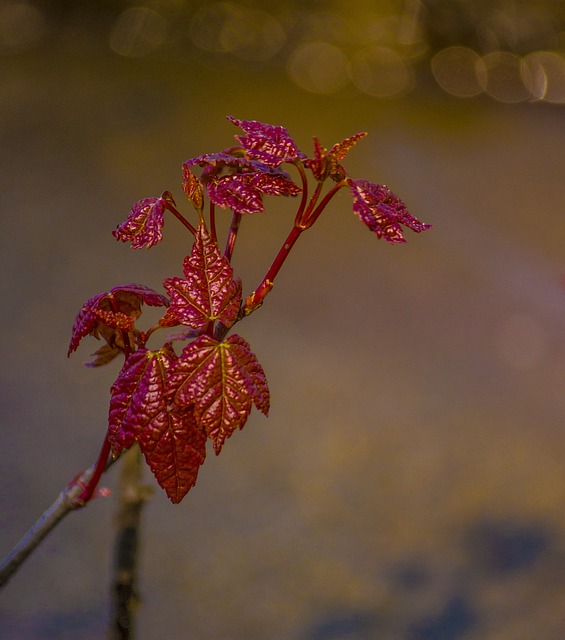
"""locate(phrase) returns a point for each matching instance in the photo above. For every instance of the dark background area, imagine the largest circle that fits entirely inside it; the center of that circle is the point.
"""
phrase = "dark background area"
(409, 482)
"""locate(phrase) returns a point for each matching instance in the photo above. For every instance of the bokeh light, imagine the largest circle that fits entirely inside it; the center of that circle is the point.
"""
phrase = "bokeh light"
(503, 77)
(543, 73)
(224, 27)
(137, 32)
(319, 67)
(381, 72)
(22, 25)
(459, 71)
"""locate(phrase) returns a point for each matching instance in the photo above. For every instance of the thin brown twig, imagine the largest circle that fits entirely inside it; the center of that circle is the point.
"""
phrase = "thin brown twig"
(68, 500)
(131, 496)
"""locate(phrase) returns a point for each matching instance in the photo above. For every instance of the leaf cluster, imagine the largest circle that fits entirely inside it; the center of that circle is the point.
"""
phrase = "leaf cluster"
(172, 403)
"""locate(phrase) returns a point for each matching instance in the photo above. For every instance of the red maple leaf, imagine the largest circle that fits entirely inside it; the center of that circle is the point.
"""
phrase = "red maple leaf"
(241, 189)
(174, 448)
(340, 150)
(208, 291)
(327, 163)
(103, 355)
(221, 380)
(192, 187)
(144, 224)
(235, 192)
(140, 411)
(109, 313)
(267, 143)
(382, 211)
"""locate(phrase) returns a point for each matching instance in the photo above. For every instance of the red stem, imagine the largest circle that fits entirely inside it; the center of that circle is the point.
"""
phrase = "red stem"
(310, 218)
(232, 236)
(213, 233)
(86, 495)
(302, 220)
(257, 297)
(304, 179)
(178, 215)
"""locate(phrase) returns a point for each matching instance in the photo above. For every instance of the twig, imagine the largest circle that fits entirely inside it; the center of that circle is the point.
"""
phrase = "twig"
(68, 500)
(131, 498)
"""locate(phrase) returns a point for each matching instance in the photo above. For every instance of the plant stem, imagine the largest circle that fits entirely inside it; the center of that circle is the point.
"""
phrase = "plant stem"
(131, 499)
(232, 235)
(305, 218)
(98, 470)
(213, 233)
(256, 298)
(304, 197)
(178, 215)
(305, 214)
(310, 218)
(68, 500)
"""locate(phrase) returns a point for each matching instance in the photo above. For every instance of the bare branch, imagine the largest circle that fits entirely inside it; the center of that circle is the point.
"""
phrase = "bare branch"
(68, 500)
(132, 495)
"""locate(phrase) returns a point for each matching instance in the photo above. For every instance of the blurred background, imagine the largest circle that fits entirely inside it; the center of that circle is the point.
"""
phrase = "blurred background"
(409, 482)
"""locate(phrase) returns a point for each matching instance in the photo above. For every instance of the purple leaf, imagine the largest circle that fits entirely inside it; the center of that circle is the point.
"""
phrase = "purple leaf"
(171, 441)
(242, 192)
(192, 187)
(137, 396)
(318, 164)
(236, 192)
(208, 292)
(382, 211)
(327, 163)
(103, 355)
(221, 380)
(174, 447)
(267, 143)
(109, 313)
(144, 224)
(340, 150)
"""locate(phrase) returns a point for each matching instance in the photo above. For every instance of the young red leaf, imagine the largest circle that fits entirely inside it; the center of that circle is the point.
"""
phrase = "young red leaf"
(137, 396)
(170, 318)
(242, 189)
(327, 163)
(104, 355)
(221, 380)
(242, 192)
(192, 187)
(172, 443)
(111, 312)
(85, 322)
(139, 293)
(219, 160)
(144, 224)
(235, 192)
(97, 319)
(341, 149)
(267, 143)
(174, 447)
(382, 211)
(274, 184)
(208, 292)
(318, 164)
